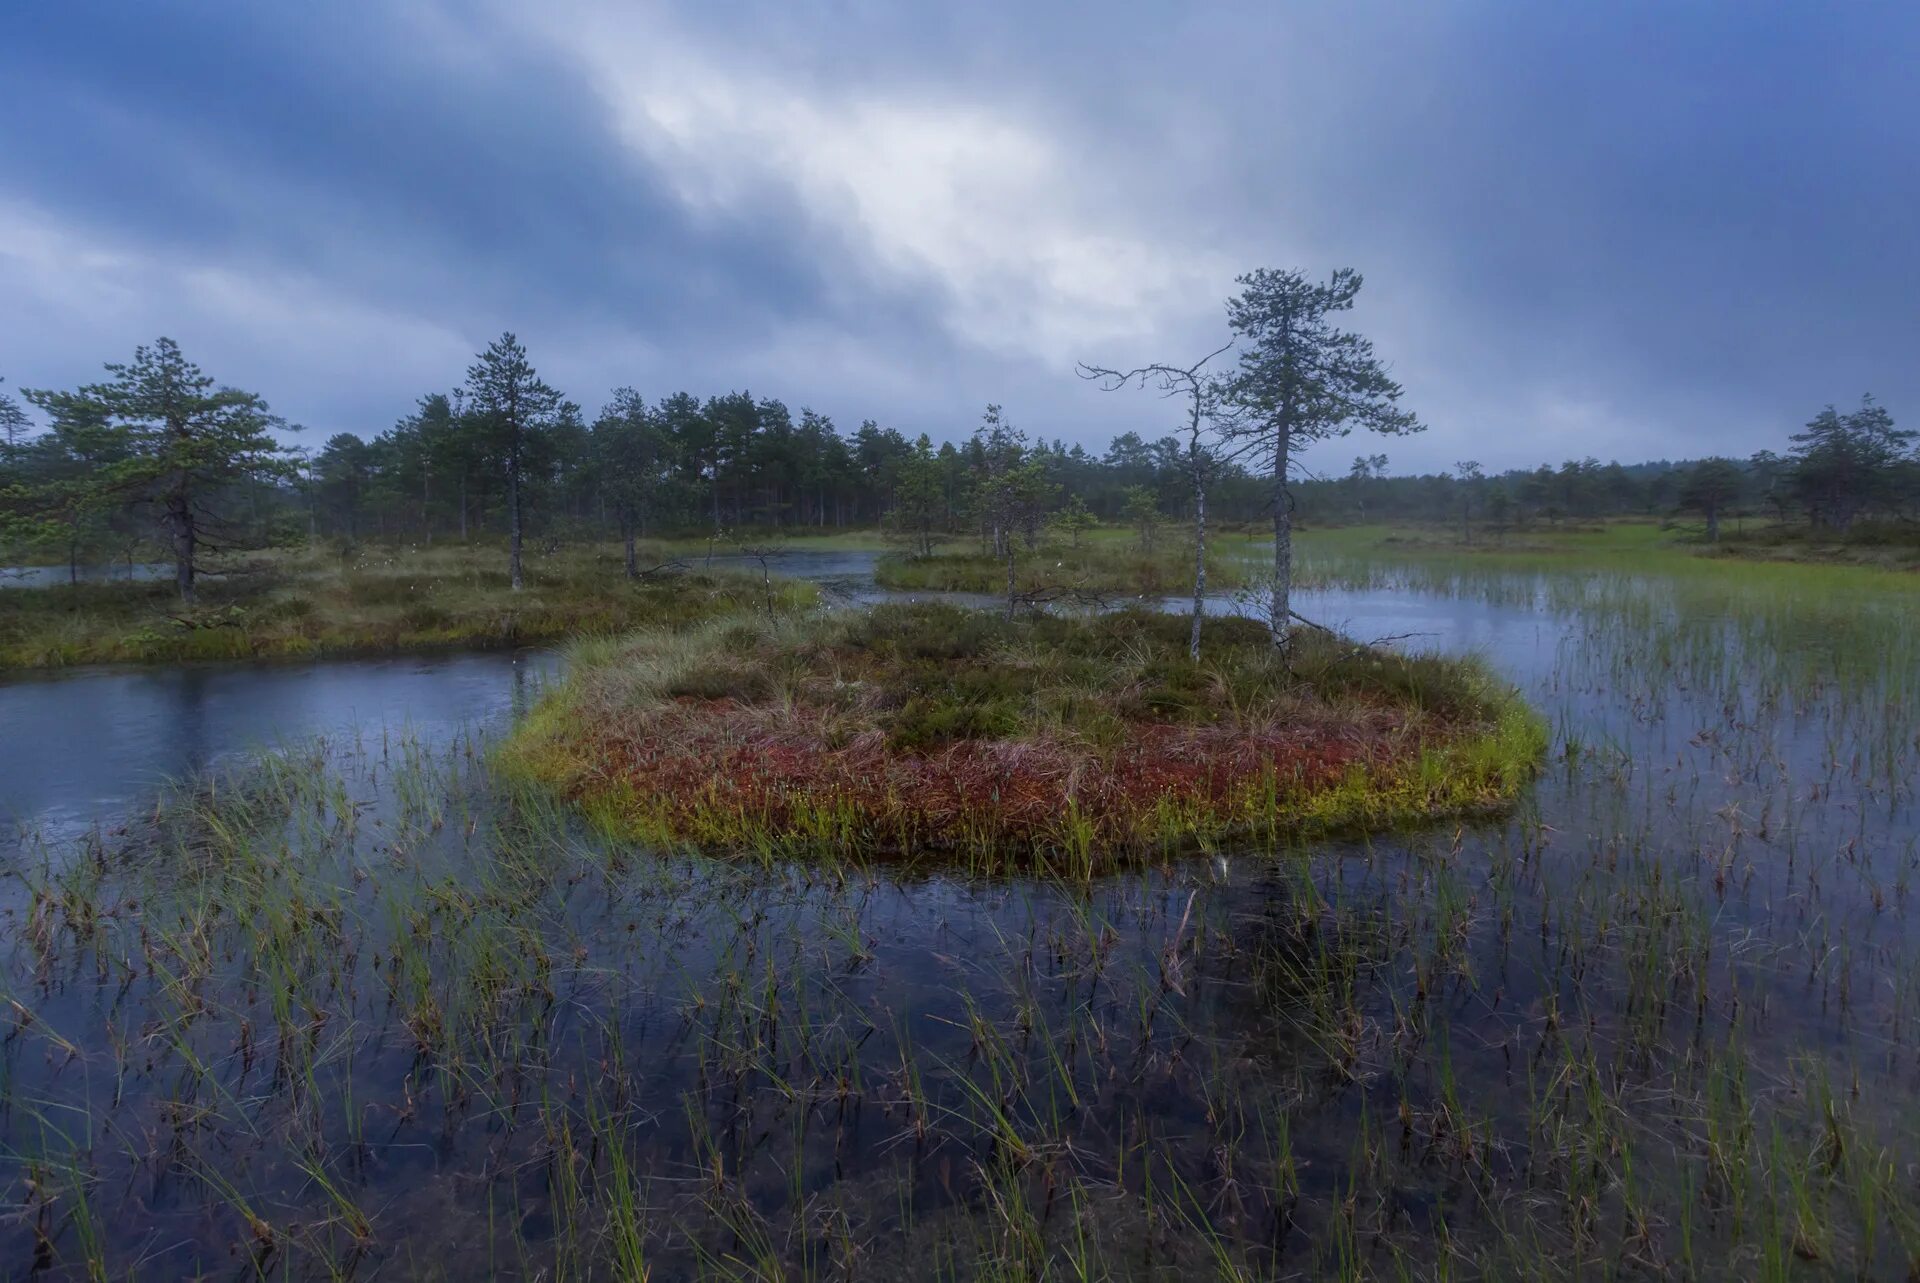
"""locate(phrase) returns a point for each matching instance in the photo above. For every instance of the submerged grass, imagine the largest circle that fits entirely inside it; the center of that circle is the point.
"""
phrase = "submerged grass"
(930, 730)
(305, 605)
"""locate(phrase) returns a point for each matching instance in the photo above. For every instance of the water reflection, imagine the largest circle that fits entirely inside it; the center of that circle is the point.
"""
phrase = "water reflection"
(82, 745)
(54, 576)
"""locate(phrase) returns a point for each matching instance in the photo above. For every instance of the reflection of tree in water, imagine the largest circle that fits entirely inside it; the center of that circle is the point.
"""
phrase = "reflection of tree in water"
(1292, 985)
(193, 742)
(1289, 973)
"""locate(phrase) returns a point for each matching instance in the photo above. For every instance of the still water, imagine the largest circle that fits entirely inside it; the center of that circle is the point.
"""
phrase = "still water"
(85, 745)
(53, 576)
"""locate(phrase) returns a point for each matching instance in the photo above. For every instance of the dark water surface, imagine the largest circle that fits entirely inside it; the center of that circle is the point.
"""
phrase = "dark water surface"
(85, 745)
(384, 1017)
(53, 576)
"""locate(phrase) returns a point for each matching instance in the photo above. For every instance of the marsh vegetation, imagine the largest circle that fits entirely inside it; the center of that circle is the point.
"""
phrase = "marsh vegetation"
(916, 732)
(1101, 564)
(353, 599)
(374, 1009)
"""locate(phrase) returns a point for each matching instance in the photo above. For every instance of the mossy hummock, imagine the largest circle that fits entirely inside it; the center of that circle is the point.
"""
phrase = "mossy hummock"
(928, 729)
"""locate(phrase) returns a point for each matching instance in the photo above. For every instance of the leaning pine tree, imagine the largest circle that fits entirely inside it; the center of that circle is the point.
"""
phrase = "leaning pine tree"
(1300, 380)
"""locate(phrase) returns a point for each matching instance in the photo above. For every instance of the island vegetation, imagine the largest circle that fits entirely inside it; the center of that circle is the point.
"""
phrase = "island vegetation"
(928, 730)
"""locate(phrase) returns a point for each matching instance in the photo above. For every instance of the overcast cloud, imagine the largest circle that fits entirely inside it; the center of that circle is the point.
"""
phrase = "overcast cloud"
(1625, 230)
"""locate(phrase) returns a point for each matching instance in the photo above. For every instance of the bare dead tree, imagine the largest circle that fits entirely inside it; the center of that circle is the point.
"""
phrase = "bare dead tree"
(765, 555)
(1189, 382)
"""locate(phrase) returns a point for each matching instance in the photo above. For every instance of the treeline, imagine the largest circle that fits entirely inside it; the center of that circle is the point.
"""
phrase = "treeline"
(1843, 468)
(684, 463)
(158, 457)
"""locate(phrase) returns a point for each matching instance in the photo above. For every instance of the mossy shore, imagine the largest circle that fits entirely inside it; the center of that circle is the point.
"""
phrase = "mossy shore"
(923, 730)
(311, 605)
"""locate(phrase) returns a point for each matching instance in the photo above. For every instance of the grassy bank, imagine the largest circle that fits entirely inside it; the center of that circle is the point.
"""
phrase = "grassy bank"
(931, 729)
(1106, 563)
(310, 604)
(1885, 545)
(1871, 546)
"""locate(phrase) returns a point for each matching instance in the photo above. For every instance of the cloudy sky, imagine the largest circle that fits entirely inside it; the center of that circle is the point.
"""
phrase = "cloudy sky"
(1620, 229)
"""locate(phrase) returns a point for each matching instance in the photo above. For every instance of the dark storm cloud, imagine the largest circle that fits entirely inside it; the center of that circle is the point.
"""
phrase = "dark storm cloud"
(1622, 229)
(336, 138)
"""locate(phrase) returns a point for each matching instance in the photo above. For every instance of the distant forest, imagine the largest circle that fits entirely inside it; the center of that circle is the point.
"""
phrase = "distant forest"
(127, 464)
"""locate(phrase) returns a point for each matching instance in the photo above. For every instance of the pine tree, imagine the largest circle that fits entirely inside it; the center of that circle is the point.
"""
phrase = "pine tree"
(516, 407)
(183, 448)
(1300, 380)
(1712, 486)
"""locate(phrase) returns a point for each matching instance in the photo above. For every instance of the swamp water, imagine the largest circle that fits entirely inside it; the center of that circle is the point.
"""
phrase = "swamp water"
(354, 1009)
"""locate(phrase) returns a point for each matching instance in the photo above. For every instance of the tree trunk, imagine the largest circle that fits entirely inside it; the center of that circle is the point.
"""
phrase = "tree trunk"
(1199, 550)
(513, 524)
(463, 506)
(626, 533)
(1280, 611)
(1713, 524)
(1010, 586)
(180, 528)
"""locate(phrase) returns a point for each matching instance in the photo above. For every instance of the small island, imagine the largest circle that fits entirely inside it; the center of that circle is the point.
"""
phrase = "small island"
(1067, 741)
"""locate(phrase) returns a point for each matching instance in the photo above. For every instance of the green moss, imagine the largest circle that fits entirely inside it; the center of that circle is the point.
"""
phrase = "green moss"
(928, 721)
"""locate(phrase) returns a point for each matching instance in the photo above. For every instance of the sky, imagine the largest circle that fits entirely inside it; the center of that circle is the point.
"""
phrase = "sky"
(1626, 230)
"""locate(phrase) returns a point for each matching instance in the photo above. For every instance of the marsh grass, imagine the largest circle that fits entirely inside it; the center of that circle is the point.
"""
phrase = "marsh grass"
(1103, 563)
(1646, 545)
(303, 605)
(930, 730)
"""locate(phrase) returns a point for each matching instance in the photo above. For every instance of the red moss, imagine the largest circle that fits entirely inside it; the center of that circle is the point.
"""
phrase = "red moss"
(697, 767)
